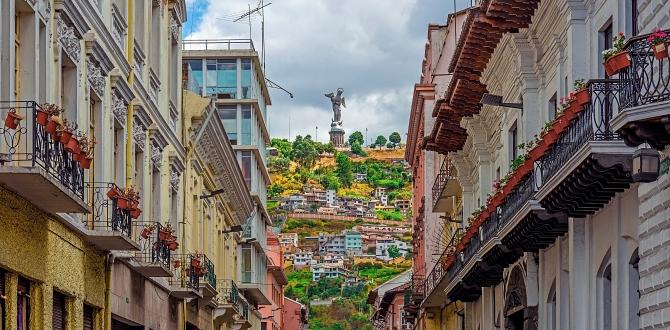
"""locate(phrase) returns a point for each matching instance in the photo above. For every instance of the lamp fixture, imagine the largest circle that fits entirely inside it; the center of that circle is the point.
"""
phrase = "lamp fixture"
(233, 229)
(646, 163)
(497, 100)
(212, 194)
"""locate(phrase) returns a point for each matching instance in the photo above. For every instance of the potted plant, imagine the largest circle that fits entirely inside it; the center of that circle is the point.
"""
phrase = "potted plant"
(658, 41)
(54, 119)
(69, 128)
(113, 192)
(13, 119)
(165, 232)
(72, 145)
(85, 156)
(43, 112)
(122, 202)
(135, 213)
(173, 245)
(147, 230)
(133, 198)
(582, 96)
(616, 58)
(195, 261)
(176, 263)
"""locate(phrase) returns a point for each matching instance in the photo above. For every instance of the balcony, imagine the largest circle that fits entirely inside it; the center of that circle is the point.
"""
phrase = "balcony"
(208, 287)
(231, 306)
(434, 284)
(37, 167)
(109, 227)
(446, 186)
(156, 255)
(185, 283)
(589, 163)
(644, 112)
(413, 297)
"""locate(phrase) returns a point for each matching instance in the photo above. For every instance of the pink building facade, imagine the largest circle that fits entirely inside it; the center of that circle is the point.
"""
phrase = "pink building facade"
(295, 315)
(273, 317)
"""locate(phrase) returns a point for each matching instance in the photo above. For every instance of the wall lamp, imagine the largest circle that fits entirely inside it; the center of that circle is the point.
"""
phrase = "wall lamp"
(646, 163)
(233, 229)
(212, 194)
(496, 100)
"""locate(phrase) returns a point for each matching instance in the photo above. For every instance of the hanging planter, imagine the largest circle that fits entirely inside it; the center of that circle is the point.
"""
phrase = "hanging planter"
(122, 203)
(113, 192)
(164, 233)
(85, 162)
(146, 232)
(172, 246)
(13, 119)
(77, 157)
(660, 51)
(195, 262)
(52, 126)
(176, 263)
(617, 62)
(135, 213)
(658, 40)
(42, 116)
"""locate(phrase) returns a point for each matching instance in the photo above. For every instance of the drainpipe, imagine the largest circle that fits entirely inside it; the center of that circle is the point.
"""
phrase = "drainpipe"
(130, 56)
(109, 263)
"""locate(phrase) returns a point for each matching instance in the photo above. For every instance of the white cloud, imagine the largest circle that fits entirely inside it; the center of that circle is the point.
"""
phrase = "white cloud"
(373, 49)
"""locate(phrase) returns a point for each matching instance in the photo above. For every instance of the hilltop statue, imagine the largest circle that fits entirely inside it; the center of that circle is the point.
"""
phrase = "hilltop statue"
(337, 101)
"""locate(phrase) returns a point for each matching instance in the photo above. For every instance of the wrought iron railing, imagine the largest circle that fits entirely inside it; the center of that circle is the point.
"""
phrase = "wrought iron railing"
(105, 214)
(228, 293)
(647, 79)
(30, 145)
(187, 276)
(445, 174)
(218, 44)
(210, 275)
(435, 275)
(155, 250)
(517, 198)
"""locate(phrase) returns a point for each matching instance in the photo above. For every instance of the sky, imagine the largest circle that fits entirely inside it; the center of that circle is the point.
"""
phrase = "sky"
(371, 48)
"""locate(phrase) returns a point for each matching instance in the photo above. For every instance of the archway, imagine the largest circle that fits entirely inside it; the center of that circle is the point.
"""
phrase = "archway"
(518, 315)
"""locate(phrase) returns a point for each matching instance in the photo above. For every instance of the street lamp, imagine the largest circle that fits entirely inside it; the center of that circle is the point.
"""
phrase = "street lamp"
(646, 162)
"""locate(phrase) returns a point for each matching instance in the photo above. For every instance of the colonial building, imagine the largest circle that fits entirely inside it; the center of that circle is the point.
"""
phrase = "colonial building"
(563, 200)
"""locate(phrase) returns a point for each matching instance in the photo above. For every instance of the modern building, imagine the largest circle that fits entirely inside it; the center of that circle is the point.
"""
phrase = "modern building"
(353, 242)
(302, 259)
(288, 240)
(320, 270)
(331, 244)
(230, 72)
(382, 247)
(331, 197)
(564, 233)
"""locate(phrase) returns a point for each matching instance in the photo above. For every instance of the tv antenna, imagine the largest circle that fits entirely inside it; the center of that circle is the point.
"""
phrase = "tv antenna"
(259, 10)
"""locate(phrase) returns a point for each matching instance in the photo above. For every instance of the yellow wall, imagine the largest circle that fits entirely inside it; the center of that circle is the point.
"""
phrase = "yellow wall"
(38, 247)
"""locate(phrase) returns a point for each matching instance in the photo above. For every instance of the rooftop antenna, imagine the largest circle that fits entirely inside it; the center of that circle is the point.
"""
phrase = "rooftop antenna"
(260, 10)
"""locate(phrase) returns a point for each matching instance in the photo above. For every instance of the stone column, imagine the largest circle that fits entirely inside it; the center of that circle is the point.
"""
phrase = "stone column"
(579, 279)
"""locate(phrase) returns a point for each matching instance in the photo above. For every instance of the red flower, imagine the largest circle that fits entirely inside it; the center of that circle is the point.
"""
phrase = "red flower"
(621, 34)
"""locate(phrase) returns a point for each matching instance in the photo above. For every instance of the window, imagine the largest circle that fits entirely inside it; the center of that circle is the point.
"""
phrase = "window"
(605, 42)
(246, 79)
(513, 141)
(631, 19)
(222, 78)
(246, 167)
(23, 305)
(17, 57)
(607, 298)
(246, 263)
(58, 311)
(89, 315)
(551, 308)
(553, 106)
(228, 115)
(194, 70)
(246, 124)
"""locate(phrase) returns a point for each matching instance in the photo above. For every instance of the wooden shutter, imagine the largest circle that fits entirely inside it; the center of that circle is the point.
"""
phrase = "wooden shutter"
(88, 317)
(58, 312)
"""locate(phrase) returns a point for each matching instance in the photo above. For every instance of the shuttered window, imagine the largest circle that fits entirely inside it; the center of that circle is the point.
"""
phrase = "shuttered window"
(23, 305)
(58, 314)
(2, 299)
(88, 317)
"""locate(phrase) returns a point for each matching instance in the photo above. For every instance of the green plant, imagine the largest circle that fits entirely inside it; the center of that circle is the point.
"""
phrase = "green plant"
(517, 162)
(617, 46)
(580, 84)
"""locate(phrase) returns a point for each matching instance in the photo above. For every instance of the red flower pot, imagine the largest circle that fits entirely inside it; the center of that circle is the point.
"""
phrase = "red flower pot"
(163, 234)
(524, 169)
(539, 150)
(65, 137)
(42, 117)
(85, 162)
(173, 247)
(77, 157)
(660, 51)
(52, 126)
(195, 263)
(176, 263)
(561, 124)
(582, 97)
(122, 203)
(13, 119)
(146, 232)
(135, 213)
(113, 192)
(617, 63)
(72, 145)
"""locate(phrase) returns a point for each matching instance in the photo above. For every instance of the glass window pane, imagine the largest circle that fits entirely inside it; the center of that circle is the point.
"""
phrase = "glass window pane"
(246, 79)
(246, 167)
(228, 115)
(246, 124)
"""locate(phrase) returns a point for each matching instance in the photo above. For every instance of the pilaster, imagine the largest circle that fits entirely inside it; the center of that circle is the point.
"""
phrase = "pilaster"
(579, 278)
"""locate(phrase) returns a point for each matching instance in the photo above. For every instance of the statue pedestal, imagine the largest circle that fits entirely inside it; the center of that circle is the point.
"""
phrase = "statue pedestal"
(336, 135)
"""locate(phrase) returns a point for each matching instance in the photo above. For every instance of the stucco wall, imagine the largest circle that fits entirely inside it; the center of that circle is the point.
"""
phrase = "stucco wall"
(38, 247)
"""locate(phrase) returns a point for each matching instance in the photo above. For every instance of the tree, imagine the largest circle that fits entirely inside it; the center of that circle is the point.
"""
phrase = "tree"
(284, 147)
(304, 152)
(380, 141)
(393, 251)
(329, 148)
(357, 150)
(356, 137)
(390, 145)
(344, 169)
(395, 139)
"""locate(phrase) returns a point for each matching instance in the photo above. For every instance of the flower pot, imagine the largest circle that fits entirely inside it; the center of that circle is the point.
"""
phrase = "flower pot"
(65, 137)
(42, 117)
(560, 125)
(199, 272)
(582, 97)
(660, 51)
(113, 192)
(550, 138)
(524, 169)
(539, 150)
(72, 145)
(122, 203)
(173, 247)
(176, 263)
(52, 126)
(163, 234)
(146, 232)
(617, 63)
(497, 199)
(13, 119)
(85, 162)
(195, 263)
(135, 213)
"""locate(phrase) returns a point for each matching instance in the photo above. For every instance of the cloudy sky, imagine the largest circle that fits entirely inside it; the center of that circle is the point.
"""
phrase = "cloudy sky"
(371, 48)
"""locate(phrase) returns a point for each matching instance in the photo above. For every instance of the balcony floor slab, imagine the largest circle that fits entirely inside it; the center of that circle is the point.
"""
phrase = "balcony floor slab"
(111, 241)
(148, 269)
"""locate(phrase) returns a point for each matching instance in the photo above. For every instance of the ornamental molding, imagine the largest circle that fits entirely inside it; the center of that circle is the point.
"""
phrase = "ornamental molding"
(69, 40)
(139, 135)
(174, 29)
(44, 8)
(174, 179)
(96, 78)
(119, 109)
(156, 156)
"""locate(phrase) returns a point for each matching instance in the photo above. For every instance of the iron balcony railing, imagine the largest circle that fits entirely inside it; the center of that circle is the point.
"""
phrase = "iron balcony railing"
(436, 275)
(229, 294)
(445, 174)
(105, 214)
(647, 79)
(30, 145)
(218, 44)
(155, 249)
(592, 124)
(210, 275)
(187, 275)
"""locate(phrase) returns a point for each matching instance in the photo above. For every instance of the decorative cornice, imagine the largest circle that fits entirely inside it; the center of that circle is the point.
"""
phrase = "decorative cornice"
(70, 12)
(119, 109)
(118, 82)
(69, 40)
(139, 135)
(96, 78)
